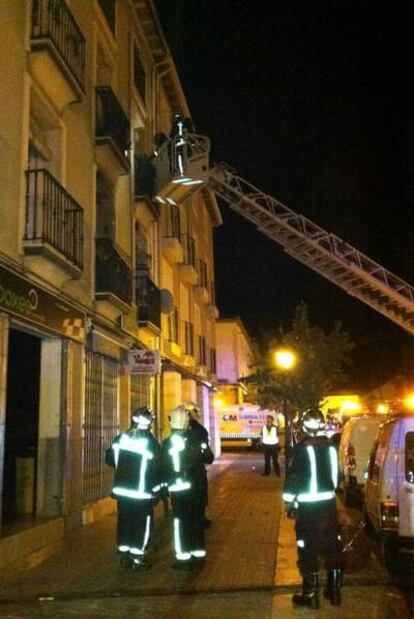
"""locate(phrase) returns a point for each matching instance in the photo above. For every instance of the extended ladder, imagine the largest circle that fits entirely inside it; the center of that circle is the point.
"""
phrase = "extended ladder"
(318, 249)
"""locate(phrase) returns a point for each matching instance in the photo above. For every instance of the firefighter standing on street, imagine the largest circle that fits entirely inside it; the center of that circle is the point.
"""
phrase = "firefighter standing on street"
(270, 442)
(309, 493)
(201, 432)
(136, 456)
(184, 457)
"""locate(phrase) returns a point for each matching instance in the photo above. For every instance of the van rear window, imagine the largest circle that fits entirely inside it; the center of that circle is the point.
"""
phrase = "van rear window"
(409, 457)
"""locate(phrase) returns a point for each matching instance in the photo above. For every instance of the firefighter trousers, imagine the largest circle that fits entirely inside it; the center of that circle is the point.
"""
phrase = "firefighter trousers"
(317, 535)
(135, 520)
(188, 519)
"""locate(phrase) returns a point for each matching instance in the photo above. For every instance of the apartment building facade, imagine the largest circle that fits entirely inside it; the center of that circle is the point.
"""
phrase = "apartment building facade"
(91, 268)
(236, 358)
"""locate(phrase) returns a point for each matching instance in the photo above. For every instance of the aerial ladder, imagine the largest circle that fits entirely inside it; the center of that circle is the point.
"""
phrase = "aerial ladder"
(318, 249)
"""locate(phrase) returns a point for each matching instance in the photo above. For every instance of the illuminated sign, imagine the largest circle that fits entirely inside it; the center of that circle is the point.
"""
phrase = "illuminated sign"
(22, 298)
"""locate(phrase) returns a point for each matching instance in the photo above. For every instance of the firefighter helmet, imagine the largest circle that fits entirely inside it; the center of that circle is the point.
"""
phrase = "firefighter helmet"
(179, 418)
(143, 417)
(194, 410)
(312, 421)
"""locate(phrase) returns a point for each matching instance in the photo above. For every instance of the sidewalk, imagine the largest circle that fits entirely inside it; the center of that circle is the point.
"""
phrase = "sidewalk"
(250, 570)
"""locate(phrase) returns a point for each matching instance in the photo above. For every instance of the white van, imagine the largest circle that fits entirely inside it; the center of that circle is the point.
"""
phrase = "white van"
(389, 488)
(357, 439)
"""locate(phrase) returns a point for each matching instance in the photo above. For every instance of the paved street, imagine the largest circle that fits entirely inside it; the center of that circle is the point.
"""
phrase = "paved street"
(250, 570)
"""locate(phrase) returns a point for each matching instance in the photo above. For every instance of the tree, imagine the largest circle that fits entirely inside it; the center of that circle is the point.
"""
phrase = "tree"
(321, 366)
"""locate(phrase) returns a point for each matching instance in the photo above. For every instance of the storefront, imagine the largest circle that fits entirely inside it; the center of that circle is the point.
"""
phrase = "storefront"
(39, 333)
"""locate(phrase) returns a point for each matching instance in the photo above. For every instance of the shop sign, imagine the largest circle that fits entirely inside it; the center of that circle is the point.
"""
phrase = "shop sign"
(22, 298)
(144, 361)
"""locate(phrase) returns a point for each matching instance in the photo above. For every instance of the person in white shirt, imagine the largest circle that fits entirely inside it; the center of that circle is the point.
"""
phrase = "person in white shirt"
(270, 442)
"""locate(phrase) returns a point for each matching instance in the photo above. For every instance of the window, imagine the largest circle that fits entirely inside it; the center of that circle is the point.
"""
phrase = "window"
(105, 210)
(189, 338)
(409, 457)
(202, 350)
(173, 326)
(376, 460)
(109, 10)
(139, 74)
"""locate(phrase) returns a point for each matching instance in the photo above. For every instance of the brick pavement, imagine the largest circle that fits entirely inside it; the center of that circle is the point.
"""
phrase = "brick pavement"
(240, 578)
(244, 508)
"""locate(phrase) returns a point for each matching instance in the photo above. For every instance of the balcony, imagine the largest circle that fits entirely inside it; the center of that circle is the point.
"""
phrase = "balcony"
(113, 277)
(148, 300)
(171, 240)
(201, 286)
(112, 134)
(188, 271)
(54, 223)
(57, 58)
(211, 307)
(182, 166)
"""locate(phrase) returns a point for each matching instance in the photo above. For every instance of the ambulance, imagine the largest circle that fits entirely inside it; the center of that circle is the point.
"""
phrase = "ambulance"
(240, 425)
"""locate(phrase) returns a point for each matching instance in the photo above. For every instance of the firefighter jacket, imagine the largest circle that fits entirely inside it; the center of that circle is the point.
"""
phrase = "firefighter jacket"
(136, 456)
(313, 473)
(184, 457)
(268, 435)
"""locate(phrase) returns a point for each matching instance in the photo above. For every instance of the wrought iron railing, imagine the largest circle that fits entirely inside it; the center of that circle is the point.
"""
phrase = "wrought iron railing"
(112, 274)
(188, 244)
(52, 19)
(111, 120)
(53, 216)
(171, 219)
(148, 300)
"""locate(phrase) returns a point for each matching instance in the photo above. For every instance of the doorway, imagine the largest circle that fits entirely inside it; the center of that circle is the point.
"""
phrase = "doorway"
(22, 427)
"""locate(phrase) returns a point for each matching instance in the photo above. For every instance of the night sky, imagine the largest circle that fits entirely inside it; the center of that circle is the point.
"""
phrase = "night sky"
(310, 102)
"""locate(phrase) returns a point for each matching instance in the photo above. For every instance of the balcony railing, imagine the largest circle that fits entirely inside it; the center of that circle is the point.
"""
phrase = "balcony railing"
(111, 120)
(112, 274)
(52, 19)
(202, 274)
(53, 216)
(172, 228)
(148, 299)
(188, 244)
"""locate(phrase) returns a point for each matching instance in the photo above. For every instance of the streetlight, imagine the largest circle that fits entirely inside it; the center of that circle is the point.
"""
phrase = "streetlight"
(285, 360)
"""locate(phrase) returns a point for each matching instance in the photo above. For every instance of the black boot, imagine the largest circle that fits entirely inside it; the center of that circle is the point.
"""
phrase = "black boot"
(310, 595)
(332, 590)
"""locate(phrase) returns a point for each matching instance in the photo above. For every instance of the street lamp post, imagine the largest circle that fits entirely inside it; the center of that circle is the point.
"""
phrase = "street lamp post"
(285, 360)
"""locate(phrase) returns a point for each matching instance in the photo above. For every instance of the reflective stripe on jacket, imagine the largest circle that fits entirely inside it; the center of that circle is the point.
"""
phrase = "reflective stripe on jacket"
(313, 473)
